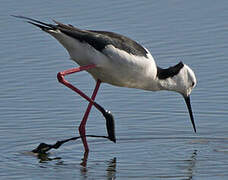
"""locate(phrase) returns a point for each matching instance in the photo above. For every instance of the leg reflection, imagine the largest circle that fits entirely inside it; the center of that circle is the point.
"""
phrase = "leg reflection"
(110, 170)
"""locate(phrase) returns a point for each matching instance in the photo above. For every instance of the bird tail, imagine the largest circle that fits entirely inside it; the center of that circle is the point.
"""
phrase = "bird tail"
(44, 26)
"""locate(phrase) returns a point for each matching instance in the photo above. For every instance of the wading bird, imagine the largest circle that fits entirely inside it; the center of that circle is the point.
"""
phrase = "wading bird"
(117, 60)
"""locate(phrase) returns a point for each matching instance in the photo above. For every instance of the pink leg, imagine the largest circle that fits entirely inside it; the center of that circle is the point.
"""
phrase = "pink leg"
(62, 80)
(84, 120)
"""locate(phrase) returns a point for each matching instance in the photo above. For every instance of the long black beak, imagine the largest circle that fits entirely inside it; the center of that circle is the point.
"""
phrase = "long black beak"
(188, 103)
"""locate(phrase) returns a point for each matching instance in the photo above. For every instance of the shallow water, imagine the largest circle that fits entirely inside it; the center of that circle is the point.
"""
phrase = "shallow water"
(155, 139)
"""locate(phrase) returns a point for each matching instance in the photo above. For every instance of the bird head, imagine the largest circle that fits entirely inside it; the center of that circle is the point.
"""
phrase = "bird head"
(185, 82)
(182, 79)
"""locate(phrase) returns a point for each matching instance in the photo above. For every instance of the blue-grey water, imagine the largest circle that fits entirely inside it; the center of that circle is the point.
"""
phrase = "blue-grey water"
(155, 139)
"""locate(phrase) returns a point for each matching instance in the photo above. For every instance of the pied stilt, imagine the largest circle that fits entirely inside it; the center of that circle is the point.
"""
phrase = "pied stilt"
(115, 59)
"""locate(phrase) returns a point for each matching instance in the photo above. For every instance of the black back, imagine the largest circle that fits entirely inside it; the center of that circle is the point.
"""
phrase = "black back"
(97, 39)
(100, 39)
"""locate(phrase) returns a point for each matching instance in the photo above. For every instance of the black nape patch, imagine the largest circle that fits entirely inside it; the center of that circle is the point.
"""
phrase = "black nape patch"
(169, 72)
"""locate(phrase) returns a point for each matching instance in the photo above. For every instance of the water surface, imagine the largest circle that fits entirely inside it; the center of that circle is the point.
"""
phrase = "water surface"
(155, 139)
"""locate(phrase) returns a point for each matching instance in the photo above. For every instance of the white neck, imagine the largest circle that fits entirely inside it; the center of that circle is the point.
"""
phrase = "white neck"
(166, 84)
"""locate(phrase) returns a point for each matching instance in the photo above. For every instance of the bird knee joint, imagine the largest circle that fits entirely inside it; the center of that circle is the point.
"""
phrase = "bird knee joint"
(60, 77)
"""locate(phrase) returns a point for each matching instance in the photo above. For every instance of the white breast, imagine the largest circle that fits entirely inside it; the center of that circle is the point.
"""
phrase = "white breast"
(123, 69)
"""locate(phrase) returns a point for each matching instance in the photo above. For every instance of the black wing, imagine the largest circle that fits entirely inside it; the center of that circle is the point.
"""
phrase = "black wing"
(97, 39)
(100, 39)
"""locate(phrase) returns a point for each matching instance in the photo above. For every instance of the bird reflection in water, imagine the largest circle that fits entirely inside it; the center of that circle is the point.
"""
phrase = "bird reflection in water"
(191, 165)
(110, 170)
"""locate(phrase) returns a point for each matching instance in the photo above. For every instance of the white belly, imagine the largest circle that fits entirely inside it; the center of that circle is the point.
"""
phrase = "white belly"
(119, 68)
